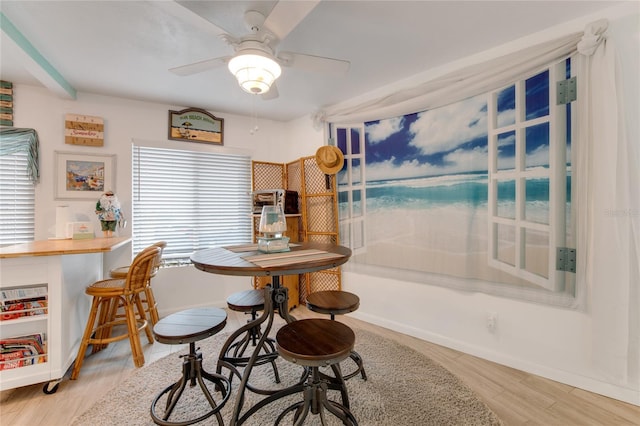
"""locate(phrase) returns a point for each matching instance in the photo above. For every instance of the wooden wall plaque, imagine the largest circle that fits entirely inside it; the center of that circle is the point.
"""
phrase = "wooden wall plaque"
(83, 130)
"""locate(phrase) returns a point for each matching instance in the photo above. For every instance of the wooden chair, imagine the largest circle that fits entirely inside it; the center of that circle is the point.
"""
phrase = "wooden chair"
(148, 301)
(338, 302)
(125, 292)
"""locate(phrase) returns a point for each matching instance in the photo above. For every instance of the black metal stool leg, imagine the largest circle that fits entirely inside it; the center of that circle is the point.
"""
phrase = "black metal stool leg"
(193, 373)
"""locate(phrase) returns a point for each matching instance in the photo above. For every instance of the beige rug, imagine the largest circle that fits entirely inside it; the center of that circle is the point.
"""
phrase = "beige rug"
(403, 388)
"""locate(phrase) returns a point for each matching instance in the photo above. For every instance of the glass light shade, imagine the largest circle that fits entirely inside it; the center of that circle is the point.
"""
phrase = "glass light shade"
(255, 73)
(272, 221)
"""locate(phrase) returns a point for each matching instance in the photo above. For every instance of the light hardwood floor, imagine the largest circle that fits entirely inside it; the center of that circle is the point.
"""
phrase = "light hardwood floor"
(518, 398)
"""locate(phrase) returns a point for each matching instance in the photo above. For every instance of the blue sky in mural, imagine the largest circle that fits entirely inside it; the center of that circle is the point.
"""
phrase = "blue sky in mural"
(453, 139)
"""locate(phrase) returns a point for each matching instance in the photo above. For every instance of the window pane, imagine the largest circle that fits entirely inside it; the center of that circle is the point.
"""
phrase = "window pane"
(537, 200)
(536, 252)
(356, 171)
(537, 96)
(506, 244)
(355, 141)
(345, 237)
(537, 146)
(506, 151)
(342, 139)
(506, 198)
(358, 235)
(357, 203)
(506, 115)
(343, 204)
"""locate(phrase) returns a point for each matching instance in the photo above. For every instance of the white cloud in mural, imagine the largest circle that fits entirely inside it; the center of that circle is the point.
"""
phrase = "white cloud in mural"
(408, 169)
(380, 131)
(506, 117)
(443, 129)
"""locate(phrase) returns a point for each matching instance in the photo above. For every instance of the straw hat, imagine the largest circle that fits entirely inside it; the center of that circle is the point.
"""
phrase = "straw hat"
(330, 159)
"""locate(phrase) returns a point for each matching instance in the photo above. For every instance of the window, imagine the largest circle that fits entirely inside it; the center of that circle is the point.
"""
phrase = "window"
(528, 177)
(351, 192)
(477, 191)
(191, 199)
(17, 199)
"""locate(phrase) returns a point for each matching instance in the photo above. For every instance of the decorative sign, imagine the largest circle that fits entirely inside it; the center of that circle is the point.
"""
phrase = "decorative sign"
(196, 125)
(83, 130)
(6, 103)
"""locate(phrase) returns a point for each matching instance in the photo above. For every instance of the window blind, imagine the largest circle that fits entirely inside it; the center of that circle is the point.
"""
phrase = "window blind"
(191, 199)
(17, 199)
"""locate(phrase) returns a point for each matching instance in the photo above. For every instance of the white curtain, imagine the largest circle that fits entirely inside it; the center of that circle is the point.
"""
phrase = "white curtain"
(606, 204)
(455, 86)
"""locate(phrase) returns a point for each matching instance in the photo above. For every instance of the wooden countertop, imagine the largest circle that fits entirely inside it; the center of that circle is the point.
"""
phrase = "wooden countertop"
(68, 246)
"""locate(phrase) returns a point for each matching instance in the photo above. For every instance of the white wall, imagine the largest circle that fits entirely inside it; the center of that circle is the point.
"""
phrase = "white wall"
(549, 341)
(553, 342)
(126, 120)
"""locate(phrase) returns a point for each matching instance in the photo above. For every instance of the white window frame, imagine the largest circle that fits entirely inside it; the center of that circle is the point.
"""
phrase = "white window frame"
(349, 225)
(215, 212)
(556, 173)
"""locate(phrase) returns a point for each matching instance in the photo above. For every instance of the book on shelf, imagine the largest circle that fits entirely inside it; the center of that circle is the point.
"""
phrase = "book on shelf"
(22, 351)
(23, 302)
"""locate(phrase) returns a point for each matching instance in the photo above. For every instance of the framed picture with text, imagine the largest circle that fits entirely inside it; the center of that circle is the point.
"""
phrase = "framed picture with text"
(80, 176)
(195, 125)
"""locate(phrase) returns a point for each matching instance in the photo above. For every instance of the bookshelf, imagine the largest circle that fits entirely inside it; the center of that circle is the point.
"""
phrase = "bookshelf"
(44, 308)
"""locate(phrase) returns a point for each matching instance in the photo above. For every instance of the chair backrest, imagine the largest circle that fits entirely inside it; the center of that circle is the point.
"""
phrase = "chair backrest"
(161, 245)
(140, 270)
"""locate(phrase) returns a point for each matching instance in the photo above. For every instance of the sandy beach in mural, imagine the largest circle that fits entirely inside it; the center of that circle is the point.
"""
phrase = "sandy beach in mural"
(449, 240)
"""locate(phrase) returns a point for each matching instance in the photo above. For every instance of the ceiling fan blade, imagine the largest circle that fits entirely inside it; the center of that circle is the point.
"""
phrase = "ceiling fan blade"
(201, 66)
(286, 15)
(272, 93)
(184, 14)
(314, 63)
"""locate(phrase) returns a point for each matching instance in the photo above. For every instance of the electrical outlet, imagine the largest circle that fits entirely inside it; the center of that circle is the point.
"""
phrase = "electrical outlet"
(492, 321)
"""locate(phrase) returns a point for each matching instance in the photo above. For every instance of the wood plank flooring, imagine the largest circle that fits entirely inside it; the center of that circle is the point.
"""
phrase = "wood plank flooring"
(518, 398)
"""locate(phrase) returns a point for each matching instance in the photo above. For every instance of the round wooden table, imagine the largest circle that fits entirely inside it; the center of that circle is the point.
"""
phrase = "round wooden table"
(247, 261)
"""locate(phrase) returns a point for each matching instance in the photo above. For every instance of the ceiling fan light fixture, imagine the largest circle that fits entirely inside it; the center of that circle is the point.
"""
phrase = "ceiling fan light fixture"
(255, 73)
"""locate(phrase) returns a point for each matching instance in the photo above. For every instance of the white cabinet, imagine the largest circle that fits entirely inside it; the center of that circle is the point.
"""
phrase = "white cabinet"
(66, 276)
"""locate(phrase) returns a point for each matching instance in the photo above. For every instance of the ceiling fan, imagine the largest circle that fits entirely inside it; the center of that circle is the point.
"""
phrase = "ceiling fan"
(255, 62)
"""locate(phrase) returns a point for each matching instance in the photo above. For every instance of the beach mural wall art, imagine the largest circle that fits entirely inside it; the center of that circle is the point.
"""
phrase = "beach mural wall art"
(426, 188)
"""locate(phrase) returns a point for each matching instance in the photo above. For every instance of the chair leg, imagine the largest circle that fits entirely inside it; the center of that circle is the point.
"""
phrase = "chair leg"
(84, 343)
(152, 306)
(134, 336)
(143, 317)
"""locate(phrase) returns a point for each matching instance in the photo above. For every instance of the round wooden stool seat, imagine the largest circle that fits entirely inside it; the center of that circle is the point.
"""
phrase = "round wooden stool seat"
(190, 326)
(246, 301)
(315, 342)
(333, 302)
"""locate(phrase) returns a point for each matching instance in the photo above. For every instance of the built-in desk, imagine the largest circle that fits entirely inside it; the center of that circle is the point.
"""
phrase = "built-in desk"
(65, 268)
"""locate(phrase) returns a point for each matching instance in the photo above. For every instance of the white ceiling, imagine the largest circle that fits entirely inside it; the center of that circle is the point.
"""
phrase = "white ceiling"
(125, 48)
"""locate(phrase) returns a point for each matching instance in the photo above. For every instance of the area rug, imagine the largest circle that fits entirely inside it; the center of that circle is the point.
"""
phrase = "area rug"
(403, 388)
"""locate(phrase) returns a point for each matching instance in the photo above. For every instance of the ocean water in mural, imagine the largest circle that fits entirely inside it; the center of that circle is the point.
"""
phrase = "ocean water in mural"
(427, 191)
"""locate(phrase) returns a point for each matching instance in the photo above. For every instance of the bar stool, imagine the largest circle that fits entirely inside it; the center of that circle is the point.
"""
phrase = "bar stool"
(149, 301)
(249, 302)
(107, 295)
(190, 326)
(315, 343)
(337, 302)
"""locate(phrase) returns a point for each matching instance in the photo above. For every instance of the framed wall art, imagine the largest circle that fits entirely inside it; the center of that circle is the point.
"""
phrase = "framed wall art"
(80, 176)
(195, 125)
